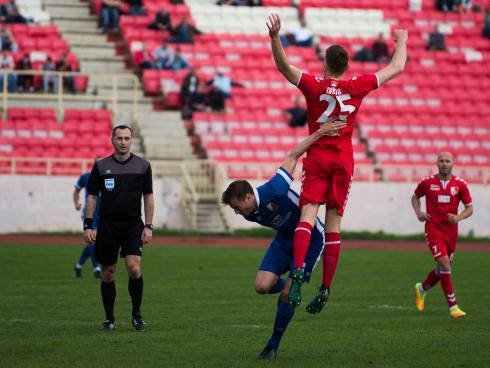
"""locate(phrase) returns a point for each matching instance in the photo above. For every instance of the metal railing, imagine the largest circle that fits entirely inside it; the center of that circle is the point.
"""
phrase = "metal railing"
(202, 181)
(44, 165)
(61, 96)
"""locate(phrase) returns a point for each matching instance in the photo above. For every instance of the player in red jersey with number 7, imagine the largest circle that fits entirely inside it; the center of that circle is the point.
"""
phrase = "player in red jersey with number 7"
(329, 165)
(442, 192)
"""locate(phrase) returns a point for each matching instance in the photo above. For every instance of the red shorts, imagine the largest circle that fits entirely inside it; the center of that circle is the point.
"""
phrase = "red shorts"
(327, 179)
(441, 245)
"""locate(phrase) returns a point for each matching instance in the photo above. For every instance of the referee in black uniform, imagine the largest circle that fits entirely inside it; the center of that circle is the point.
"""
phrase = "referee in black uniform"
(121, 179)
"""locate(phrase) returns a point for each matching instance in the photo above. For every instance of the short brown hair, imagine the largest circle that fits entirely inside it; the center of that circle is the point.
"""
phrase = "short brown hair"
(237, 189)
(121, 127)
(337, 60)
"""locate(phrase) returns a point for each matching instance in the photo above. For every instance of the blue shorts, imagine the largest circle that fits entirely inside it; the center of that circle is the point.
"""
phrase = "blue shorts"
(279, 257)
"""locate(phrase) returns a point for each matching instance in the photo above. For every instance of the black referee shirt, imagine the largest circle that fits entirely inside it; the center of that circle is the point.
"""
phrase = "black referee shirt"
(121, 185)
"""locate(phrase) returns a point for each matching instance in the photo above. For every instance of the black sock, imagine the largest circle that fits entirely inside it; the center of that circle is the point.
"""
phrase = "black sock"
(135, 288)
(108, 291)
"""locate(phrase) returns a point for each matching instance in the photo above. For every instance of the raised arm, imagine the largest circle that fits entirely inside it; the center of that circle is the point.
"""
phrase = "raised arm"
(291, 73)
(397, 64)
(292, 157)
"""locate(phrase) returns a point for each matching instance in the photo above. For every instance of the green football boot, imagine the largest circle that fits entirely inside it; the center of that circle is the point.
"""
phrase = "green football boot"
(294, 297)
(319, 301)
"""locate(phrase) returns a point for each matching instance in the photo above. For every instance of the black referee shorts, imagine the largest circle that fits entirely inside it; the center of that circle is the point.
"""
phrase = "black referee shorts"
(118, 236)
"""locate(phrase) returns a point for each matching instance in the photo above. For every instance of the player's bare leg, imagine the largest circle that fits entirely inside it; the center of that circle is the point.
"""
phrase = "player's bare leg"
(302, 238)
(268, 282)
(330, 259)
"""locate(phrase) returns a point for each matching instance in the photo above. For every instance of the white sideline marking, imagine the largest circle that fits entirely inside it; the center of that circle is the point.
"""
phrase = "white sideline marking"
(247, 326)
(387, 306)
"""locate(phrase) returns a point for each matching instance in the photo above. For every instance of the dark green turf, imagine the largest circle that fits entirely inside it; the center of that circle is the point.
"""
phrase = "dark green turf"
(202, 312)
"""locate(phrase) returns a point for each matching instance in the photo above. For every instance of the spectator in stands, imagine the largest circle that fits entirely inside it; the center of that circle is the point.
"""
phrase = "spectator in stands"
(436, 41)
(51, 79)
(7, 63)
(444, 5)
(163, 56)
(189, 85)
(25, 81)
(143, 58)
(179, 62)
(365, 54)
(462, 6)
(162, 21)
(136, 7)
(296, 115)
(64, 66)
(6, 41)
(380, 50)
(197, 99)
(184, 32)
(10, 13)
(215, 99)
(110, 15)
(303, 36)
(224, 83)
(486, 26)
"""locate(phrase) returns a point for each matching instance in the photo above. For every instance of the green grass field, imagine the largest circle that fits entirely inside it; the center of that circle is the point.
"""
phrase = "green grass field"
(202, 311)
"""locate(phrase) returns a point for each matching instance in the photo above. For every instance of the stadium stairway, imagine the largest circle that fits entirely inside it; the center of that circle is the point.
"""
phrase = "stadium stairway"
(162, 134)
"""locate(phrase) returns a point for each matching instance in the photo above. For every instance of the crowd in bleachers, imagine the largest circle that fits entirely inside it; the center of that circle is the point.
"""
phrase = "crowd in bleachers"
(27, 46)
(196, 54)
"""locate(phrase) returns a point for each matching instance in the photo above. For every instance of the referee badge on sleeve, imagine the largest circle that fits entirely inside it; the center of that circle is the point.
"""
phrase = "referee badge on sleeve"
(109, 184)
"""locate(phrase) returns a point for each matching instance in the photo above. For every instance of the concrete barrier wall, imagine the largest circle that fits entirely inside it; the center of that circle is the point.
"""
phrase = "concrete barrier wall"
(38, 203)
(375, 206)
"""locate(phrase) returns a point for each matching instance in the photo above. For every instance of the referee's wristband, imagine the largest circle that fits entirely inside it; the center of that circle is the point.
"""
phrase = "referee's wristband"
(87, 223)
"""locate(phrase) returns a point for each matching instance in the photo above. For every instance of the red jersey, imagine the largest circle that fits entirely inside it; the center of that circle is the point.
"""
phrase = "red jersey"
(442, 198)
(331, 99)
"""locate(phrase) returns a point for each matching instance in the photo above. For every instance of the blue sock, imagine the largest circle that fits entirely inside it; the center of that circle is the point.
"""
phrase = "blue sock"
(277, 288)
(284, 314)
(90, 251)
(85, 254)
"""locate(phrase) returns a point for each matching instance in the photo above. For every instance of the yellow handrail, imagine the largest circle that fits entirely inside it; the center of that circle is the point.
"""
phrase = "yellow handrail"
(61, 96)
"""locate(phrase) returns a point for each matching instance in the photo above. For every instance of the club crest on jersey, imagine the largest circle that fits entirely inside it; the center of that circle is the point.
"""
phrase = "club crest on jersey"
(454, 190)
(435, 187)
(272, 207)
(109, 184)
(334, 84)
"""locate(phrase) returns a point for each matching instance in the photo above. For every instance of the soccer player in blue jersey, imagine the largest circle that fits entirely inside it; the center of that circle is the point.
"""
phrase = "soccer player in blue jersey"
(275, 205)
(89, 250)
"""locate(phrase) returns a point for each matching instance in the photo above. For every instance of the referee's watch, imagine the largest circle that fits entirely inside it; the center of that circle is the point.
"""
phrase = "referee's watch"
(150, 226)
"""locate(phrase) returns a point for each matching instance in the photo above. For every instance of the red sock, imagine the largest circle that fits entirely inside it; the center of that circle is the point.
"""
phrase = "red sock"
(431, 280)
(331, 254)
(302, 236)
(447, 287)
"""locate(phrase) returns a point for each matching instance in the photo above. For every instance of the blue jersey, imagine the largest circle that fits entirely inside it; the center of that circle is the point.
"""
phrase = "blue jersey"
(278, 207)
(82, 184)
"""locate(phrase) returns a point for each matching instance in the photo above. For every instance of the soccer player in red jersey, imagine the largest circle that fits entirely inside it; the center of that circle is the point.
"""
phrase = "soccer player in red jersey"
(442, 192)
(329, 165)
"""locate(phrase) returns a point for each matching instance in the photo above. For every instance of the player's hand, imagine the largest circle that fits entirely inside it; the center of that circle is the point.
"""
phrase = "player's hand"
(78, 206)
(400, 35)
(422, 216)
(89, 236)
(146, 235)
(274, 25)
(452, 218)
(332, 129)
